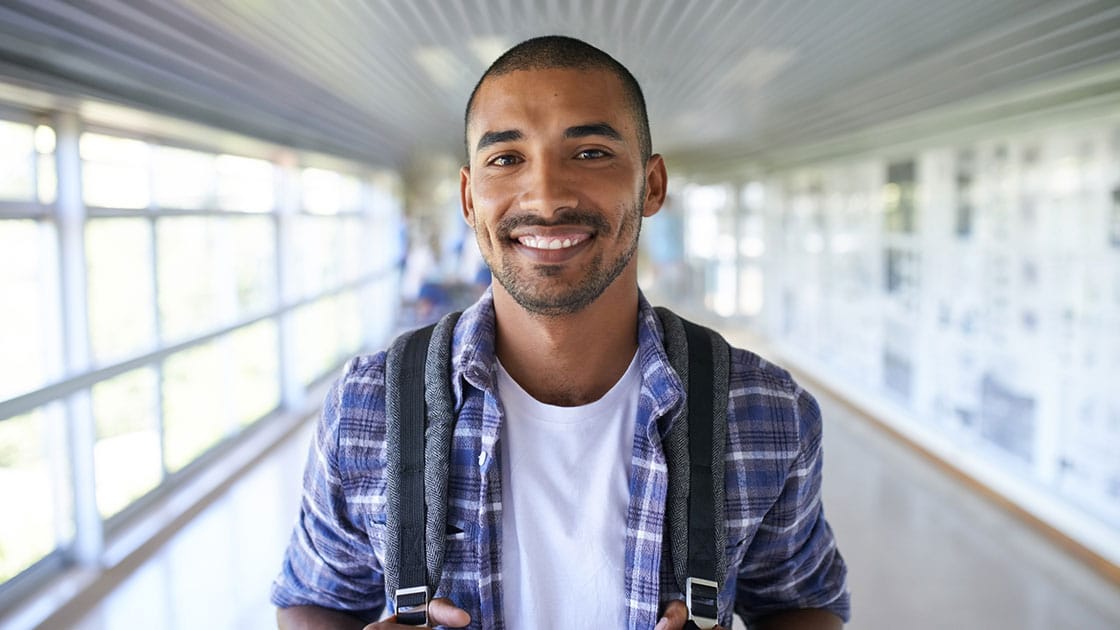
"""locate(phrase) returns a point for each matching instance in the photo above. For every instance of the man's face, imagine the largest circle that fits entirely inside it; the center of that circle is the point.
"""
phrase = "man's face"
(556, 189)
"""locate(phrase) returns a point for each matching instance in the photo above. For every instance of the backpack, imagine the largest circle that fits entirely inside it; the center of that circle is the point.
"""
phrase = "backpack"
(420, 420)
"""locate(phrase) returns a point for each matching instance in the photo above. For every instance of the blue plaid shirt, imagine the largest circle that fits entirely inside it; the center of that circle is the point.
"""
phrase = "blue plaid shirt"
(780, 550)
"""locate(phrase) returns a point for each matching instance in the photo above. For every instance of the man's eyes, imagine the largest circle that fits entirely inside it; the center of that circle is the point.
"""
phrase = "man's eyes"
(508, 159)
(504, 160)
(591, 154)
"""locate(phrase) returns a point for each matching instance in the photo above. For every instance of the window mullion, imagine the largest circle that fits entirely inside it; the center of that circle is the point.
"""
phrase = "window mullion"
(89, 535)
(292, 391)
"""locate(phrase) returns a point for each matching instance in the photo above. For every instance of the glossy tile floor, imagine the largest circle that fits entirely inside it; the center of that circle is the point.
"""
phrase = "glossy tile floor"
(924, 551)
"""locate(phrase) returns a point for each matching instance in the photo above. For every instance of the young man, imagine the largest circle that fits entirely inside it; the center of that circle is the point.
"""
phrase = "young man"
(563, 394)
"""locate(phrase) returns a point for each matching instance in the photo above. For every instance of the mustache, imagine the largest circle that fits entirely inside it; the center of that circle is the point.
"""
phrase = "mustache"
(562, 218)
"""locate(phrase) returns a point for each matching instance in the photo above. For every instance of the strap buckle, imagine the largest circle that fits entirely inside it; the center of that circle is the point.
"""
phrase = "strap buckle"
(412, 605)
(702, 599)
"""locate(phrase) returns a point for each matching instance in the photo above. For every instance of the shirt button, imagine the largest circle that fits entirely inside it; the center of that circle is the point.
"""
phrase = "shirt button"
(482, 458)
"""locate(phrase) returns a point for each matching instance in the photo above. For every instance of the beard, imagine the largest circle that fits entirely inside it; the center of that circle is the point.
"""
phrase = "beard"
(538, 289)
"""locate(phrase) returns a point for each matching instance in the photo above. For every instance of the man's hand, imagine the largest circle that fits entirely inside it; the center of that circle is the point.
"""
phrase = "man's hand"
(674, 617)
(441, 612)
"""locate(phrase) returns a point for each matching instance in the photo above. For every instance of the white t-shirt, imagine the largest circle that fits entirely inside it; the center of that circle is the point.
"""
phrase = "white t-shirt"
(565, 495)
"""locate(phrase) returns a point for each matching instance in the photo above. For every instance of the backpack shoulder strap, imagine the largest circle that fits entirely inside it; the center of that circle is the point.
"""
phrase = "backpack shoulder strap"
(419, 411)
(695, 452)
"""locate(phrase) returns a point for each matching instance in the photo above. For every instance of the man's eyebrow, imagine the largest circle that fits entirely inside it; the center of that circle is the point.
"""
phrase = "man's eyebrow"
(494, 137)
(594, 129)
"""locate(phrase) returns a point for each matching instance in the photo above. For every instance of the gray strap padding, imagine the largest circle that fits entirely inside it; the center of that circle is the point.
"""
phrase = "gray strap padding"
(676, 446)
(441, 426)
(439, 402)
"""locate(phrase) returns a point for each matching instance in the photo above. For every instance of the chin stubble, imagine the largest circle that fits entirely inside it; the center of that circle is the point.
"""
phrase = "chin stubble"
(565, 301)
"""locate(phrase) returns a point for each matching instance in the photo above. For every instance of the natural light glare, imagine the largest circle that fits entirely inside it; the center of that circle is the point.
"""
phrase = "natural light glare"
(196, 286)
(321, 191)
(48, 179)
(121, 317)
(891, 194)
(44, 139)
(754, 196)
(1065, 177)
(27, 481)
(349, 325)
(115, 171)
(17, 177)
(25, 280)
(127, 462)
(315, 341)
(723, 299)
(254, 263)
(702, 207)
(353, 251)
(752, 247)
(316, 254)
(245, 184)
(256, 370)
(197, 386)
(751, 293)
(184, 180)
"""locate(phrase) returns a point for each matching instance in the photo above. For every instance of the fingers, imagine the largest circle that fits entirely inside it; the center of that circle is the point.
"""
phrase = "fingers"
(674, 616)
(441, 612)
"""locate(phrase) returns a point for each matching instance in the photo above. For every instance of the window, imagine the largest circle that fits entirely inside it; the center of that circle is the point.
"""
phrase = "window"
(318, 243)
(119, 290)
(195, 270)
(32, 476)
(180, 267)
(244, 184)
(114, 172)
(327, 192)
(127, 456)
(196, 402)
(184, 179)
(28, 316)
(17, 162)
(255, 370)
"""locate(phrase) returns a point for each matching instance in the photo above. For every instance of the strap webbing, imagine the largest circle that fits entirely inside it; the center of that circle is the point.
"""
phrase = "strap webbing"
(413, 572)
(702, 550)
(694, 448)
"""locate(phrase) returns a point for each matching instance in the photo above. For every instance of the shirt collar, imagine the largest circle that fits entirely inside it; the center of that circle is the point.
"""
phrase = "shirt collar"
(474, 361)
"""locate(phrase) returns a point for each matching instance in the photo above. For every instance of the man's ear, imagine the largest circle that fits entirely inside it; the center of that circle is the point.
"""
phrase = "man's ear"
(466, 199)
(657, 181)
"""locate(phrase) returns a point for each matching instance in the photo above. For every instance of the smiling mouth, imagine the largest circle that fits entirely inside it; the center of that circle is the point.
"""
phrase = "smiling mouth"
(544, 242)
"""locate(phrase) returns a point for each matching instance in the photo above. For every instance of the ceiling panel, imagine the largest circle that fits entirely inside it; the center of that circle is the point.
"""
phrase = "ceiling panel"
(385, 81)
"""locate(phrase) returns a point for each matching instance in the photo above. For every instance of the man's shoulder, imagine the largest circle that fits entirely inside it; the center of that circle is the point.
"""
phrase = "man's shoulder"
(749, 369)
(766, 399)
(357, 401)
(363, 376)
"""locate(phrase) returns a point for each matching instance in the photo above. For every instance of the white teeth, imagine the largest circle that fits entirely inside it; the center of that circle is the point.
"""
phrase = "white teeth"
(546, 243)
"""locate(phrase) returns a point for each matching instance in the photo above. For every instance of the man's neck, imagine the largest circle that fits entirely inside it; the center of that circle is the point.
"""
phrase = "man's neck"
(571, 359)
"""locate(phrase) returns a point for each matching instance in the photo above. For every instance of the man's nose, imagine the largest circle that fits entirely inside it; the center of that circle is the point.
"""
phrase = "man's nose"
(548, 189)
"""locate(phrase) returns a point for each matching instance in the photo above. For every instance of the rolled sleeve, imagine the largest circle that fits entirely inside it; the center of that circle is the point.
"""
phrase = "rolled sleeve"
(793, 561)
(329, 561)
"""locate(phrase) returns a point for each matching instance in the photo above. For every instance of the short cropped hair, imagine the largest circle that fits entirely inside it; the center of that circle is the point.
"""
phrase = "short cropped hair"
(560, 52)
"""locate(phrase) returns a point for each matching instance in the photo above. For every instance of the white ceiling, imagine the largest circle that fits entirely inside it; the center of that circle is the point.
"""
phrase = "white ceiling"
(385, 81)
